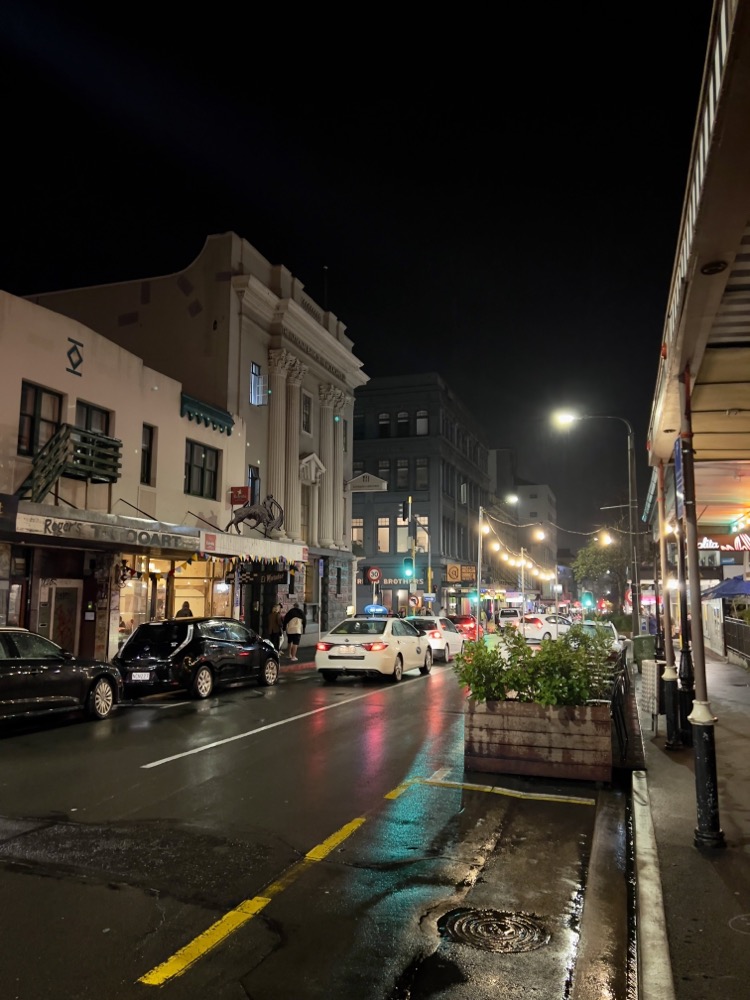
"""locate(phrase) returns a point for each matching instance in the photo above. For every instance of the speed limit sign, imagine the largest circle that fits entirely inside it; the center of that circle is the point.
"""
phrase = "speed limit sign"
(373, 575)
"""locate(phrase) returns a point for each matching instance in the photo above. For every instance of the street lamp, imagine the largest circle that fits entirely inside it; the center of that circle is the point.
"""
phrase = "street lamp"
(565, 420)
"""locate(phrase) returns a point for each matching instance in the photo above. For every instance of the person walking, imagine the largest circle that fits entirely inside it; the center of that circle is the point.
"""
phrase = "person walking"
(184, 611)
(275, 625)
(295, 624)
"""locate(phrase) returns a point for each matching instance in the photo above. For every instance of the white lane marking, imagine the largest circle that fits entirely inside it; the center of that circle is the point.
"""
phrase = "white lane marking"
(263, 729)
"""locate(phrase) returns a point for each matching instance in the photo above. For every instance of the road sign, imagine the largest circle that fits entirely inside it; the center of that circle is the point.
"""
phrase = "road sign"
(373, 574)
(413, 600)
(375, 609)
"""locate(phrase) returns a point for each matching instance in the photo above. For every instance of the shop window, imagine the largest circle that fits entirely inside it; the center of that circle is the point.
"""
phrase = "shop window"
(201, 469)
(39, 418)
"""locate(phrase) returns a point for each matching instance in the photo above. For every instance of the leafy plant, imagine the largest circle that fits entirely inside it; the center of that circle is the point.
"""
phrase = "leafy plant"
(565, 671)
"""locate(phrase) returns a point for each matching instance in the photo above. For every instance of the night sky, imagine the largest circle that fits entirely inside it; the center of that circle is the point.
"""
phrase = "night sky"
(496, 200)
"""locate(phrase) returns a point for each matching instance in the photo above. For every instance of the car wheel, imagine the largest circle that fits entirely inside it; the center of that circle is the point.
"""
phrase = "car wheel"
(203, 682)
(269, 673)
(328, 675)
(447, 653)
(547, 635)
(101, 698)
(427, 666)
(398, 670)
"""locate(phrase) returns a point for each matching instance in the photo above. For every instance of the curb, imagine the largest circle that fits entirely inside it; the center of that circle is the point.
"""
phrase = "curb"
(655, 981)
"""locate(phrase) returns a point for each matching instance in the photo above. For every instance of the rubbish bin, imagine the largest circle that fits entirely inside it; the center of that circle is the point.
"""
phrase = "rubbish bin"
(644, 648)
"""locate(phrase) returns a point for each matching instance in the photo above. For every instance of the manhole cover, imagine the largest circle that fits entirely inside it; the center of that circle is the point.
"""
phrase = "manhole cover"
(494, 930)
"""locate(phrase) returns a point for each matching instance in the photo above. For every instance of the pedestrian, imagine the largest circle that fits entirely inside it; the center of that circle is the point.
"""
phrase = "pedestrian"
(275, 625)
(295, 624)
(184, 611)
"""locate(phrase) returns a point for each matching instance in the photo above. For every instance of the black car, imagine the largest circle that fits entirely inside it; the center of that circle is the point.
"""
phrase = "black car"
(37, 676)
(196, 654)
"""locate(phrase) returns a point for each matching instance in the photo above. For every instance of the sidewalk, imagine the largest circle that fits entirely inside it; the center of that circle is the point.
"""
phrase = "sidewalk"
(705, 894)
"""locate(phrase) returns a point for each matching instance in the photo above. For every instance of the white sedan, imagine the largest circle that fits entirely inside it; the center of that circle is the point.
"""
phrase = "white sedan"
(543, 626)
(445, 639)
(372, 646)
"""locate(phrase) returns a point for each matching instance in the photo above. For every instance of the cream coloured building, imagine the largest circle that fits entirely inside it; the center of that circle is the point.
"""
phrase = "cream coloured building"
(248, 346)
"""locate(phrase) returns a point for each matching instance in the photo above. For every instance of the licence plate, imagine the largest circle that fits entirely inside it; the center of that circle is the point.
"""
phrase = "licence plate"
(345, 650)
(140, 676)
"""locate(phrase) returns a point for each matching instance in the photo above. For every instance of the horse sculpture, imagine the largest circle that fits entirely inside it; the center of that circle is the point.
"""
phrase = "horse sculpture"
(269, 514)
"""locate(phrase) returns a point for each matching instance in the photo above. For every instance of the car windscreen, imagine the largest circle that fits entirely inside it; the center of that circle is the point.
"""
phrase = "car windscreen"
(354, 626)
(159, 639)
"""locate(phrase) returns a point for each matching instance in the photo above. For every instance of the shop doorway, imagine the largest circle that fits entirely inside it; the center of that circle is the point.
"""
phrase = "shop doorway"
(60, 612)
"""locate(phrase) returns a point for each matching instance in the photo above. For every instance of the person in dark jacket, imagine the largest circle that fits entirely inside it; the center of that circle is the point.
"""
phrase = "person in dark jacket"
(275, 625)
(294, 624)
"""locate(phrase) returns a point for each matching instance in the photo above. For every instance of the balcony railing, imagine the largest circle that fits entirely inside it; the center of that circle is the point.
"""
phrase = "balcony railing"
(75, 454)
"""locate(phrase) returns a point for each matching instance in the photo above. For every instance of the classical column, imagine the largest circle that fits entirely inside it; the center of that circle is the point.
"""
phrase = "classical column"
(278, 364)
(329, 397)
(338, 471)
(296, 372)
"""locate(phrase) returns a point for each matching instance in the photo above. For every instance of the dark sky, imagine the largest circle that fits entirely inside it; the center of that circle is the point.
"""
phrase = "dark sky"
(495, 200)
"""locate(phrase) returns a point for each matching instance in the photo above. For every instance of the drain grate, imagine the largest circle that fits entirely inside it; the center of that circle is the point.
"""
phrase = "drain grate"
(494, 930)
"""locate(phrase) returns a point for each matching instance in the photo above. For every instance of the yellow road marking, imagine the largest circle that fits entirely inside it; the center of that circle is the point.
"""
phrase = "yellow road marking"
(246, 910)
(400, 789)
(510, 792)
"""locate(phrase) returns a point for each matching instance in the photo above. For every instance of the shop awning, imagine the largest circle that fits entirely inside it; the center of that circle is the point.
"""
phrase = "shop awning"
(204, 413)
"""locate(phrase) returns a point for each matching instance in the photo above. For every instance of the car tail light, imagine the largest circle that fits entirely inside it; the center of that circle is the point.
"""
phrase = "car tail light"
(375, 647)
(323, 646)
(433, 635)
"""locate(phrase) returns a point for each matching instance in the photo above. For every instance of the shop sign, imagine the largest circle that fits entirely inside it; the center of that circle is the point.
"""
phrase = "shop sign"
(726, 543)
(94, 531)
(239, 495)
(250, 573)
(397, 581)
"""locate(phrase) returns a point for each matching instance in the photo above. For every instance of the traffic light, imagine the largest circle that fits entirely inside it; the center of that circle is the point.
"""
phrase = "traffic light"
(408, 567)
(404, 510)
(587, 599)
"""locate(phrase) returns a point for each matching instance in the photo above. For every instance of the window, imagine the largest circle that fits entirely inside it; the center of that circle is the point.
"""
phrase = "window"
(201, 468)
(402, 474)
(358, 536)
(384, 469)
(147, 455)
(422, 475)
(306, 412)
(253, 482)
(258, 386)
(358, 468)
(384, 425)
(92, 418)
(423, 423)
(384, 528)
(402, 424)
(39, 418)
(359, 426)
(423, 537)
(403, 541)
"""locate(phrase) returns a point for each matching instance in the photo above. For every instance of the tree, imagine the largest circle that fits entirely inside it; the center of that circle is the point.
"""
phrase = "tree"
(597, 561)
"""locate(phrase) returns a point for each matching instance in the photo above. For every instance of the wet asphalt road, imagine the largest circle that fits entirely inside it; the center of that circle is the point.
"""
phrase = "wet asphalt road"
(307, 840)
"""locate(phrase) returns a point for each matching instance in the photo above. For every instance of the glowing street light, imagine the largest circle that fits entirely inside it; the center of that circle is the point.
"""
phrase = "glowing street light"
(565, 419)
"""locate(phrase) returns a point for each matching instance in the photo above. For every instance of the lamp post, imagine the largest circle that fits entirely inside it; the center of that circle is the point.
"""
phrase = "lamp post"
(565, 419)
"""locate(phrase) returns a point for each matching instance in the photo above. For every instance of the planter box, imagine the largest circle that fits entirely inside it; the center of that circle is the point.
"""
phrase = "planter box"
(512, 737)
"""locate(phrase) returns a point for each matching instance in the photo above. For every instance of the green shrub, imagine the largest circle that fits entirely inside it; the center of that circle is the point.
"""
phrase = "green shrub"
(565, 671)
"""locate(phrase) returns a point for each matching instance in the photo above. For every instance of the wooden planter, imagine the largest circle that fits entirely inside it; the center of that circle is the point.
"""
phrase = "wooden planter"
(513, 737)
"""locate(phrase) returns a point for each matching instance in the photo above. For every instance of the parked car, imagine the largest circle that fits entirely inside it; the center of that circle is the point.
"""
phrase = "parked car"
(545, 626)
(468, 625)
(38, 677)
(446, 639)
(372, 646)
(196, 654)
